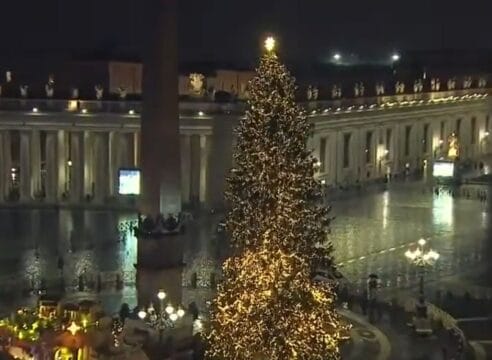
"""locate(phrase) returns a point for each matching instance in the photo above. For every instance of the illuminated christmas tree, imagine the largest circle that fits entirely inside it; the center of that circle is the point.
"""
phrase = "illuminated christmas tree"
(268, 307)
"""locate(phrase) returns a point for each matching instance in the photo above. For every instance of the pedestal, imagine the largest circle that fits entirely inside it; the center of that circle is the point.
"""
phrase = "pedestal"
(159, 266)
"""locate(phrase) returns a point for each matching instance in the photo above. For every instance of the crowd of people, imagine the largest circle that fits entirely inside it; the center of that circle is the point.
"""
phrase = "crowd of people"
(159, 224)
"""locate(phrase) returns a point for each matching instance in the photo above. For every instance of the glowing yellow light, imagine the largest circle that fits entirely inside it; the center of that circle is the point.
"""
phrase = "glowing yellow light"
(73, 328)
(142, 314)
(270, 43)
(161, 295)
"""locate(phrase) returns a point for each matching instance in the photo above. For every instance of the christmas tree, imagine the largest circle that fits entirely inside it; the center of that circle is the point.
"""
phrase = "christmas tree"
(268, 307)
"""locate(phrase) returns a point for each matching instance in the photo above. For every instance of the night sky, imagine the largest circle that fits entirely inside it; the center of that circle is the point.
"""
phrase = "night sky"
(212, 30)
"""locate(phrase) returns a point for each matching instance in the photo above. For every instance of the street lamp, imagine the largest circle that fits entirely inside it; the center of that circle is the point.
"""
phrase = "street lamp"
(337, 56)
(142, 314)
(163, 319)
(161, 295)
(422, 257)
(395, 57)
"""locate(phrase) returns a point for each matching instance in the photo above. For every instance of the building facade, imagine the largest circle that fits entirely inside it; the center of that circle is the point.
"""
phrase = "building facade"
(69, 151)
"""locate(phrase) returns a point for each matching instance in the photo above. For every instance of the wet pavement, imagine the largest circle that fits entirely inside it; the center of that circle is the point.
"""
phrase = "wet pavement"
(370, 234)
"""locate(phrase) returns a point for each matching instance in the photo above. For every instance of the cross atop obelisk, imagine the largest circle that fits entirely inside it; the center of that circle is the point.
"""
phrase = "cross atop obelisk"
(160, 156)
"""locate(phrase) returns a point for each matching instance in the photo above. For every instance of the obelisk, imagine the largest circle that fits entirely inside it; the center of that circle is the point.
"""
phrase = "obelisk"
(160, 160)
(159, 254)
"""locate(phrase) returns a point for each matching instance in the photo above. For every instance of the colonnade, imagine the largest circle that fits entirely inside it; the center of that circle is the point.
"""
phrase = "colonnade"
(78, 160)
(83, 166)
(56, 165)
(354, 154)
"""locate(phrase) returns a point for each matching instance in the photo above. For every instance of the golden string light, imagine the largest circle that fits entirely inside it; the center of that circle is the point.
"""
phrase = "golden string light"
(268, 306)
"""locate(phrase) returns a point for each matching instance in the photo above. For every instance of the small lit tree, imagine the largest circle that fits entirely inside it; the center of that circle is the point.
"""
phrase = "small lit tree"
(268, 307)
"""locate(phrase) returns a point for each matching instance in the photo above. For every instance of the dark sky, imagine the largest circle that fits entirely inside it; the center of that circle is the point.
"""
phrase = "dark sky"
(230, 29)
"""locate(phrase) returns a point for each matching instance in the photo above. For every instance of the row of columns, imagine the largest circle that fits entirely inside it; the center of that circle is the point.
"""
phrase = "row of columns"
(78, 165)
(388, 154)
(81, 165)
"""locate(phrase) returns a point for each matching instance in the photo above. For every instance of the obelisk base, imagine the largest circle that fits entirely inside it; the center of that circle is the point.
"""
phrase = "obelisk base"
(159, 267)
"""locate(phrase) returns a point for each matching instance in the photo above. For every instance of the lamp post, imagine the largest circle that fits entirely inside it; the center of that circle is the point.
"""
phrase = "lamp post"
(422, 256)
(163, 319)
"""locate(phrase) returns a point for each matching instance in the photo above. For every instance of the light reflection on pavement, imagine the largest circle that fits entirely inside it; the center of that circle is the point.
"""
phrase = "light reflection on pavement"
(370, 235)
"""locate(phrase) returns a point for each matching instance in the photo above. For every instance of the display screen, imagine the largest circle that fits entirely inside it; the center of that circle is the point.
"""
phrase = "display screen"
(129, 182)
(443, 169)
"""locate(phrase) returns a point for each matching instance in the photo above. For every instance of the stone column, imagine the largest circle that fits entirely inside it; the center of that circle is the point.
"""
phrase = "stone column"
(101, 162)
(5, 164)
(331, 158)
(185, 168)
(25, 166)
(114, 164)
(89, 185)
(35, 149)
(195, 168)
(51, 180)
(136, 149)
(126, 158)
(63, 153)
(204, 156)
(359, 155)
(76, 169)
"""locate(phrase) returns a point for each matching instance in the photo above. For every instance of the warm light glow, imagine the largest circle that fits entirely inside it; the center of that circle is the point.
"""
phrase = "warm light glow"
(35, 110)
(395, 57)
(69, 163)
(73, 328)
(197, 326)
(161, 295)
(420, 256)
(180, 312)
(173, 317)
(169, 309)
(201, 113)
(337, 57)
(270, 43)
(142, 314)
(72, 105)
(84, 111)
(131, 112)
